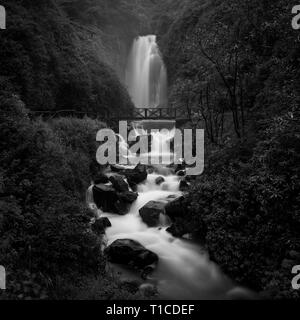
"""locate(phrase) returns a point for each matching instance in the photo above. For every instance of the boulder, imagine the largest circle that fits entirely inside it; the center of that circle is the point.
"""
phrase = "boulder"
(133, 186)
(130, 252)
(119, 183)
(159, 180)
(116, 168)
(100, 225)
(180, 166)
(100, 178)
(128, 196)
(181, 173)
(177, 230)
(107, 199)
(150, 212)
(175, 207)
(147, 271)
(136, 175)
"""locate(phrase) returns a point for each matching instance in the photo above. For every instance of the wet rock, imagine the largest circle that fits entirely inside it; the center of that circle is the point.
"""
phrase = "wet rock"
(151, 212)
(128, 196)
(183, 185)
(107, 199)
(119, 183)
(100, 225)
(136, 175)
(147, 271)
(116, 168)
(175, 207)
(181, 173)
(150, 169)
(133, 186)
(177, 230)
(130, 252)
(159, 180)
(180, 166)
(100, 178)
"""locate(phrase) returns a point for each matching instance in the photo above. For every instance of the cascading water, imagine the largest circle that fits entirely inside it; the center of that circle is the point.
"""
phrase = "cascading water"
(184, 270)
(146, 76)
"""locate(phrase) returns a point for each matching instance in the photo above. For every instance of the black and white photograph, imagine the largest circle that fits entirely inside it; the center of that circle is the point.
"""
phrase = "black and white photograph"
(149, 151)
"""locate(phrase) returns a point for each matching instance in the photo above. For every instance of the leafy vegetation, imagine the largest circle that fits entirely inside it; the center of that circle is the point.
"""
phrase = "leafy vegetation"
(57, 55)
(237, 63)
(54, 59)
(45, 234)
(248, 211)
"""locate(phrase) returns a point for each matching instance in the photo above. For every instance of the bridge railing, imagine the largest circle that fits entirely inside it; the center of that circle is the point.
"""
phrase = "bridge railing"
(105, 115)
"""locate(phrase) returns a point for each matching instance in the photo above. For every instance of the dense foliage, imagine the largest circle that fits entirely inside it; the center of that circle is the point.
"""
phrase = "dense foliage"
(54, 59)
(248, 211)
(45, 234)
(57, 55)
(237, 62)
(232, 60)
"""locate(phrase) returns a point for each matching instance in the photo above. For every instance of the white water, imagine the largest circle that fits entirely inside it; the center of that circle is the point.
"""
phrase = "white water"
(146, 76)
(184, 270)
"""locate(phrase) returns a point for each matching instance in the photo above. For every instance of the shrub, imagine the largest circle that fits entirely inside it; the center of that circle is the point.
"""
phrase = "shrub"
(249, 212)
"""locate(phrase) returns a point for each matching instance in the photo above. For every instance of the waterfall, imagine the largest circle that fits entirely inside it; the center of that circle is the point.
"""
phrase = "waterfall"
(146, 75)
(184, 270)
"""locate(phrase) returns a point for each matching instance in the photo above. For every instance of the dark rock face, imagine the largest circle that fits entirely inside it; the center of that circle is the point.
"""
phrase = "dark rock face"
(181, 173)
(180, 166)
(101, 178)
(176, 230)
(159, 180)
(175, 207)
(100, 225)
(130, 252)
(116, 168)
(183, 185)
(119, 183)
(151, 211)
(107, 199)
(128, 196)
(136, 175)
